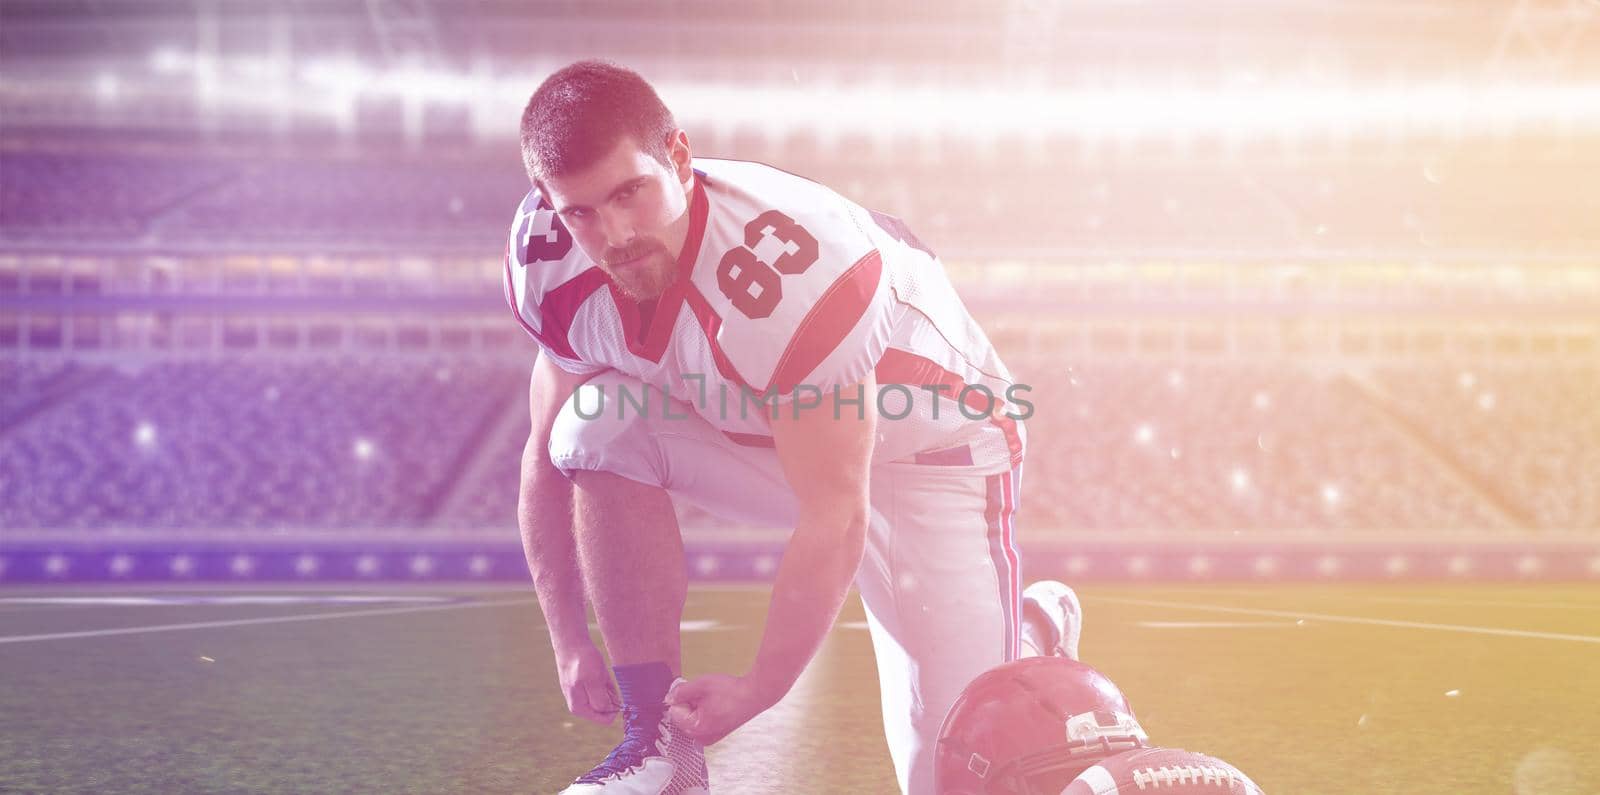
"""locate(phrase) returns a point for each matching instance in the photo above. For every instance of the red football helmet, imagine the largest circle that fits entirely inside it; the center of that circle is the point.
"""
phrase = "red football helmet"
(1031, 726)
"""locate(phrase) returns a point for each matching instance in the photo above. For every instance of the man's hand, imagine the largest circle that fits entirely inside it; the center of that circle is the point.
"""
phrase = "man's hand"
(586, 682)
(708, 707)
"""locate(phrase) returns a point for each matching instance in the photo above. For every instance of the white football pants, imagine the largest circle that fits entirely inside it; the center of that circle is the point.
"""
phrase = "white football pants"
(940, 580)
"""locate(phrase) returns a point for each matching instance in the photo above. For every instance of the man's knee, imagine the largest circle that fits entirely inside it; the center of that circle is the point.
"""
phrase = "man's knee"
(596, 432)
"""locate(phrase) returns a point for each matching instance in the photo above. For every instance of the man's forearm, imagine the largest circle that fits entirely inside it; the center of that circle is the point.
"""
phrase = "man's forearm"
(813, 580)
(544, 514)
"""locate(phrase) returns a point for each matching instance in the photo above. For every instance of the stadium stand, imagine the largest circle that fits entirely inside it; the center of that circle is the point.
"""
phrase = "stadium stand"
(75, 195)
(973, 198)
(1227, 446)
(186, 445)
(1529, 434)
(1202, 446)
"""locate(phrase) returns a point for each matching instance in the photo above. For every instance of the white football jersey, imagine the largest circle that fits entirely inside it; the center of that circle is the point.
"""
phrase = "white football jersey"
(784, 288)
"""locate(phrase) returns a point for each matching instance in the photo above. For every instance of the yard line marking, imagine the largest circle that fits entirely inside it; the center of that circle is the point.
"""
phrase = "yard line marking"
(224, 600)
(1380, 622)
(241, 622)
(1419, 600)
(1215, 624)
(690, 625)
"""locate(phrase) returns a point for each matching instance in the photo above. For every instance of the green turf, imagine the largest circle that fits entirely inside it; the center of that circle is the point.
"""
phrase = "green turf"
(464, 700)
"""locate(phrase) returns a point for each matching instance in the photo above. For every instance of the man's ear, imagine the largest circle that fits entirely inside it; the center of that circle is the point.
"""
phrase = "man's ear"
(679, 155)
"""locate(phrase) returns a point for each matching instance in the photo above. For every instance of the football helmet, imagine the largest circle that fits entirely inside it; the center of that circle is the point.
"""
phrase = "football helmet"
(1031, 726)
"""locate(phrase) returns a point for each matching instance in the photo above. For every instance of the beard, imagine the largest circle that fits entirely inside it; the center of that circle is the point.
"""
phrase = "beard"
(644, 280)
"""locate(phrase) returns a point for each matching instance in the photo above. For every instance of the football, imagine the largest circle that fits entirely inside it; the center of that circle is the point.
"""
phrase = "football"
(1173, 771)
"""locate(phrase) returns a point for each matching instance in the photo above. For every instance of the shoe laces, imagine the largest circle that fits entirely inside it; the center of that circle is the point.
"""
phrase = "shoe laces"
(641, 729)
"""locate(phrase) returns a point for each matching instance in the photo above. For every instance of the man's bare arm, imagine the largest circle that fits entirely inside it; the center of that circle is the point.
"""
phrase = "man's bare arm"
(544, 510)
(544, 514)
(826, 456)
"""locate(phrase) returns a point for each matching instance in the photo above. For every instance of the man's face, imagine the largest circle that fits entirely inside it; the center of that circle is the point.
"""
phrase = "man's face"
(628, 212)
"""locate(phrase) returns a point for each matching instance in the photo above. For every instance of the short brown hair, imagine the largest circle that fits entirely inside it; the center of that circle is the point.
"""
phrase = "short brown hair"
(580, 113)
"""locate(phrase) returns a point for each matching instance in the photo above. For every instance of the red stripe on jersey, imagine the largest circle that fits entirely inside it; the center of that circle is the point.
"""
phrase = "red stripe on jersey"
(751, 439)
(711, 324)
(654, 341)
(828, 322)
(904, 367)
(557, 309)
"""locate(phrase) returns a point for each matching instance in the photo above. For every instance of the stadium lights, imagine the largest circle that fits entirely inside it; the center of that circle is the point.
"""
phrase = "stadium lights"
(181, 565)
(1144, 434)
(107, 86)
(144, 434)
(1237, 110)
(1331, 495)
(340, 76)
(57, 564)
(1100, 109)
(167, 60)
(1265, 566)
(120, 565)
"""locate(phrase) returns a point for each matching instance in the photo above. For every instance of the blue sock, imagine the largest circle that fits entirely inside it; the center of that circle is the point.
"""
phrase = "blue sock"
(643, 685)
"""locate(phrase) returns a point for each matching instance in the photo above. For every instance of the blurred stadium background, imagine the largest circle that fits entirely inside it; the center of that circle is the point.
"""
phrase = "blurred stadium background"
(1305, 290)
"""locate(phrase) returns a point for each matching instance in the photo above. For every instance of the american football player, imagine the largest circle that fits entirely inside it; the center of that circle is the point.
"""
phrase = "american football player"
(750, 341)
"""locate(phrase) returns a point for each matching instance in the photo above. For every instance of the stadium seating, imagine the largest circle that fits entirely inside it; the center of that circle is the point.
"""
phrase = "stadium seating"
(186, 445)
(80, 196)
(974, 195)
(1226, 447)
(1114, 446)
(1530, 434)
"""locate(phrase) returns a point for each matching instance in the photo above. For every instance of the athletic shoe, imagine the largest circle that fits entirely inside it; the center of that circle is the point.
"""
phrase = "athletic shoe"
(1056, 606)
(654, 758)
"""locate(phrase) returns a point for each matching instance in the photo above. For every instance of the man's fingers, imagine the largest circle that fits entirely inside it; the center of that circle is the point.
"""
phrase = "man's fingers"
(592, 703)
(683, 717)
(601, 699)
(684, 692)
(601, 718)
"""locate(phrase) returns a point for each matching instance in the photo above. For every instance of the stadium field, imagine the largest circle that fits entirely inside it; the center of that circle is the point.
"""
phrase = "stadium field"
(1310, 689)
